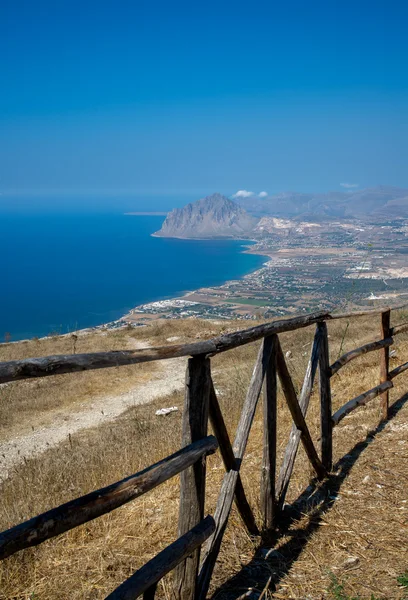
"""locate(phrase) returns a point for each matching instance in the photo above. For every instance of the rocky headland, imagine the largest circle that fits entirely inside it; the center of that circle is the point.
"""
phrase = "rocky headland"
(214, 216)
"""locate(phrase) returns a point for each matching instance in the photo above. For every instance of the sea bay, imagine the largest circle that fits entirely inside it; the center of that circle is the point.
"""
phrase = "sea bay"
(62, 272)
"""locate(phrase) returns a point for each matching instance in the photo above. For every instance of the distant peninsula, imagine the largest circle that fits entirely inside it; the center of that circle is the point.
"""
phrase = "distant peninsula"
(214, 216)
(147, 214)
(254, 216)
(319, 250)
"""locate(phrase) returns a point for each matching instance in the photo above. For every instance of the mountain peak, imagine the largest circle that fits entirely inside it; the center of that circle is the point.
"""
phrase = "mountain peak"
(212, 216)
(216, 197)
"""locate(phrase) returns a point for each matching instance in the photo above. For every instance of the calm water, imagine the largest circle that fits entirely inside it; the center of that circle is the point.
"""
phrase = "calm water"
(63, 272)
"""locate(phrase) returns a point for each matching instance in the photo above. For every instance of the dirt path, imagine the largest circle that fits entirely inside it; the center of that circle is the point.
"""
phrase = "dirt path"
(169, 377)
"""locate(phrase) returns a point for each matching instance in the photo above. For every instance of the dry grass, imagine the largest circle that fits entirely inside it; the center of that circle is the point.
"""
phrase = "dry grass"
(32, 404)
(29, 404)
(367, 522)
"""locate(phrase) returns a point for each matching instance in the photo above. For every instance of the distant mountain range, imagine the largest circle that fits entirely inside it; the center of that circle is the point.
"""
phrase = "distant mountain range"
(213, 216)
(218, 216)
(366, 203)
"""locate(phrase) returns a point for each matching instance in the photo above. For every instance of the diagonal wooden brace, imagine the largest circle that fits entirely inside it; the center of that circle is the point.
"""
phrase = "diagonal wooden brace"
(294, 438)
(296, 412)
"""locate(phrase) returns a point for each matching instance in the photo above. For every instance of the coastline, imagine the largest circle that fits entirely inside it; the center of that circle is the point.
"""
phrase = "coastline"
(260, 291)
(288, 269)
(129, 318)
(207, 302)
(90, 284)
(136, 317)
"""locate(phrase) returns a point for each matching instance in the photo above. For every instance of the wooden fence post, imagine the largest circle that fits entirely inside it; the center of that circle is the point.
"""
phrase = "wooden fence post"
(229, 483)
(326, 425)
(150, 593)
(192, 480)
(385, 361)
(268, 493)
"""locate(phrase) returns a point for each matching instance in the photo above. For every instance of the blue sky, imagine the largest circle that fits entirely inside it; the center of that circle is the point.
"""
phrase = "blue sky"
(183, 98)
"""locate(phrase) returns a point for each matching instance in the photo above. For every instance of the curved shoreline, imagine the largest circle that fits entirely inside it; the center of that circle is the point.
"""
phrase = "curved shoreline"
(183, 299)
(124, 319)
(245, 250)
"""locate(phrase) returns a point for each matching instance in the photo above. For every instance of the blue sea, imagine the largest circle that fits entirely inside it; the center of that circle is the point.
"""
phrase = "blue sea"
(61, 272)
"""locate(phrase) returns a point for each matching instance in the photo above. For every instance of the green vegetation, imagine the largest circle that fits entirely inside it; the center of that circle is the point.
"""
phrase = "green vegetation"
(403, 581)
(337, 591)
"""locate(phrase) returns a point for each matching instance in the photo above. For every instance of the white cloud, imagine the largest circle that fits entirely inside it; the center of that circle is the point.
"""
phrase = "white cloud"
(263, 194)
(349, 185)
(243, 194)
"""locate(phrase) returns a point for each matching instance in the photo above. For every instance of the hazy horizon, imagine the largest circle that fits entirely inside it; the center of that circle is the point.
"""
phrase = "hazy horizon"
(181, 100)
(122, 202)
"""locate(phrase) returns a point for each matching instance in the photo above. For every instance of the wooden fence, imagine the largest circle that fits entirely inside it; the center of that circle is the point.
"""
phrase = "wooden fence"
(200, 536)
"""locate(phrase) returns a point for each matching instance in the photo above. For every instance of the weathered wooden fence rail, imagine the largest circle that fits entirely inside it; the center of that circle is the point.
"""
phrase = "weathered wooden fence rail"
(98, 503)
(199, 535)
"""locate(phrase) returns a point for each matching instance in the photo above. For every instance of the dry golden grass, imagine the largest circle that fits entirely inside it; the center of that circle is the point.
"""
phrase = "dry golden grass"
(29, 404)
(34, 403)
(87, 563)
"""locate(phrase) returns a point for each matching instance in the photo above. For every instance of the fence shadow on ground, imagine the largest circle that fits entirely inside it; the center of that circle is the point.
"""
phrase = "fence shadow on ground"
(315, 501)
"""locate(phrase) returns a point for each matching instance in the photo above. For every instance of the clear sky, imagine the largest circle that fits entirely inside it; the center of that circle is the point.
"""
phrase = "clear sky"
(185, 98)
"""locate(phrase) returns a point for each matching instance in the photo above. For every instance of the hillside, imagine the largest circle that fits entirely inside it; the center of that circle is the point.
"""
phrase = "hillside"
(210, 217)
(336, 532)
(370, 203)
